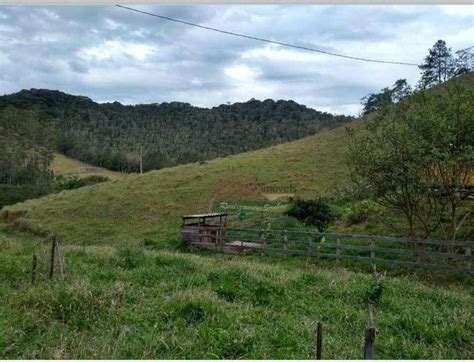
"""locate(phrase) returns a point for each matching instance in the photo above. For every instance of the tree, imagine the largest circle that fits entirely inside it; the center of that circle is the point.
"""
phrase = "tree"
(377, 101)
(400, 90)
(439, 65)
(418, 155)
(464, 60)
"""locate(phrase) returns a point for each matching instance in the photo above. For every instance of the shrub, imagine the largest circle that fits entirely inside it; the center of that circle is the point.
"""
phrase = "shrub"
(374, 291)
(360, 212)
(74, 182)
(312, 212)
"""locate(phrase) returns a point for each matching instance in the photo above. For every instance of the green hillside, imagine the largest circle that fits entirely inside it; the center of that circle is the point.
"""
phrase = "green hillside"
(148, 205)
(114, 136)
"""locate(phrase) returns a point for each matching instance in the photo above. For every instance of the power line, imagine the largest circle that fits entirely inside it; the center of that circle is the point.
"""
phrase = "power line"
(267, 40)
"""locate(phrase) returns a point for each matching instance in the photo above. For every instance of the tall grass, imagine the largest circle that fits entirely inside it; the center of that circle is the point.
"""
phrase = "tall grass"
(133, 302)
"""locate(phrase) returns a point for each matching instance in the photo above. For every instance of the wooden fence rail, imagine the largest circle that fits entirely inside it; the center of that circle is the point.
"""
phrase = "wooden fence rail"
(378, 249)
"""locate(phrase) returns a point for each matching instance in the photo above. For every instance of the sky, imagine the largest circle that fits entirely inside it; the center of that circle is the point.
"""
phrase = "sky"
(110, 54)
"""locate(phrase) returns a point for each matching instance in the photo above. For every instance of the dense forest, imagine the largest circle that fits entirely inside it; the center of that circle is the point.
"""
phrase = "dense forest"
(117, 136)
(26, 150)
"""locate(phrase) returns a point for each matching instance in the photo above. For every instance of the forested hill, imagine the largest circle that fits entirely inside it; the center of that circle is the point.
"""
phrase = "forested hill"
(111, 135)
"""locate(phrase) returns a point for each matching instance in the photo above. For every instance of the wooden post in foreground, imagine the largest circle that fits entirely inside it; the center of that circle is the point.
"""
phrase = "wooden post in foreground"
(369, 336)
(33, 269)
(53, 254)
(60, 261)
(372, 256)
(468, 253)
(319, 340)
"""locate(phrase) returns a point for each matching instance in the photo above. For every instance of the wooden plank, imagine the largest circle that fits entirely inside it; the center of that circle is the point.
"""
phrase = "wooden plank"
(370, 237)
(396, 251)
(356, 258)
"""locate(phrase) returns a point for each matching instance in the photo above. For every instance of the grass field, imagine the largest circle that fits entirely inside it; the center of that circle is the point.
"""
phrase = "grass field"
(118, 302)
(66, 166)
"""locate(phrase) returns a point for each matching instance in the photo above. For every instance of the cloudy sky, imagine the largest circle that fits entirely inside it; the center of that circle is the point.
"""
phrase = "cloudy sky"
(111, 54)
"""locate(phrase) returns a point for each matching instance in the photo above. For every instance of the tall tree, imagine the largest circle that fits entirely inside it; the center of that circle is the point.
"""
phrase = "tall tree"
(438, 66)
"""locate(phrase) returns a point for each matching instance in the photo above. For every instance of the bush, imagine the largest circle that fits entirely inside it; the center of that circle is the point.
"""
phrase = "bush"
(360, 212)
(74, 182)
(374, 291)
(312, 212)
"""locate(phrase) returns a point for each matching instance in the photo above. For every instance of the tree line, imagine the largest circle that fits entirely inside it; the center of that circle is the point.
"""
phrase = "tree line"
(126, 138)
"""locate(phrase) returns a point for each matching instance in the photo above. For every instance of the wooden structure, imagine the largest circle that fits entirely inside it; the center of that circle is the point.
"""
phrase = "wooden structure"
(440, 255)
(204, 228)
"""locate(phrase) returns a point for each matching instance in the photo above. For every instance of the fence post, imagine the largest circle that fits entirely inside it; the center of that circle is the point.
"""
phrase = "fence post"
(372, 256)
(33, 269)
(338, 250)
(369, 336)
(309, 250)
(319, 340)
(264, 242)
(468, 253)
(60, 262)
(53, 252)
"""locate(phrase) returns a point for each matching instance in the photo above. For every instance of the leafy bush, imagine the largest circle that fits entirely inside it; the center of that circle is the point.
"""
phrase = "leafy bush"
(374, 291)
(312, 212)
(360, 212)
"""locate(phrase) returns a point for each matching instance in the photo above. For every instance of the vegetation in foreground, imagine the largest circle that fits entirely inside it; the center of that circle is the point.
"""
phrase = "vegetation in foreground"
(118, 302)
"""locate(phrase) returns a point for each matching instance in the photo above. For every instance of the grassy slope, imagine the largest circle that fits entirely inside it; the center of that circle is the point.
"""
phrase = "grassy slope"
(118, 302)
(150, 205)
(140, 303)
(66, 166)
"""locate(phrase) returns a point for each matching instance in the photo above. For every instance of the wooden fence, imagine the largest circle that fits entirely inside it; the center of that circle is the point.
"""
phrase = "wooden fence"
(418, 253)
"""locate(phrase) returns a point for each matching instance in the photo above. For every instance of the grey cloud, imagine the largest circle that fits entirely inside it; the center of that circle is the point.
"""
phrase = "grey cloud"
(43, 47)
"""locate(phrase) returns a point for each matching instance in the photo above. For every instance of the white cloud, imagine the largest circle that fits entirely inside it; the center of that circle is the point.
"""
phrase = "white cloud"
(113, 49)
(458, 10)
(241, 73)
